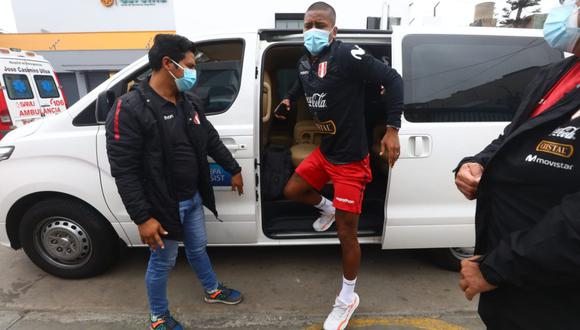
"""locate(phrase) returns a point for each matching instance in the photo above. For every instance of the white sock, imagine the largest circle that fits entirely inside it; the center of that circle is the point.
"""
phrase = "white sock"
(325, 206)
(347, 292)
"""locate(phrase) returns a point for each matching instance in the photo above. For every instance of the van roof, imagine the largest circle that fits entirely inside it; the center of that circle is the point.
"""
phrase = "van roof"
(279, 34)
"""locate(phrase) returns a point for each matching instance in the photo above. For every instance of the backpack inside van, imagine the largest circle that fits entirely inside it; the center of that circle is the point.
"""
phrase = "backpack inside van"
(276, 171)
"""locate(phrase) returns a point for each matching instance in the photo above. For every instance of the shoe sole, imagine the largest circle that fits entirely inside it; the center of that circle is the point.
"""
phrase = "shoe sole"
(344, 322)
(215, 301)
(323, 229)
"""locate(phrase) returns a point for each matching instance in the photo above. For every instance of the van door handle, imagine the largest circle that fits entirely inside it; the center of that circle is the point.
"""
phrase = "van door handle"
(232, 145)
(420, 146)
(236, 147)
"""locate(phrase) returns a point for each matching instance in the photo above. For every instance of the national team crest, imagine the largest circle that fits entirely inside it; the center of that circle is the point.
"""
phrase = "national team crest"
(322, 67)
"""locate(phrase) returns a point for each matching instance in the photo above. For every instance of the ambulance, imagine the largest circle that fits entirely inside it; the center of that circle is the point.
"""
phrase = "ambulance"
(29, 89)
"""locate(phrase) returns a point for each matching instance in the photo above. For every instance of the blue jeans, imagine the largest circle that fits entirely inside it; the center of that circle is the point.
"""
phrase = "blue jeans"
(163, 260)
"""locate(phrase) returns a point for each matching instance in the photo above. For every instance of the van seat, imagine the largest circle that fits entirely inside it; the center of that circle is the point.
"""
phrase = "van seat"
(306, 132)
(301, 151)
(285, 78)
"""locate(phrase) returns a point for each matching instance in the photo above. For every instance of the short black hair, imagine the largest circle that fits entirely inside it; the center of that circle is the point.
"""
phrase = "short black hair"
(173, 46)
(323, 6)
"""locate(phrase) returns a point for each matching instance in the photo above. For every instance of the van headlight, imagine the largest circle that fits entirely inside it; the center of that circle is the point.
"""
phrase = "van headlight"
(6, 152)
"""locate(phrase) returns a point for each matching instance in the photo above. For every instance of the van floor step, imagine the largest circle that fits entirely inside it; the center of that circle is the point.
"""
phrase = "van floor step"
(285, 219)
(285, 228)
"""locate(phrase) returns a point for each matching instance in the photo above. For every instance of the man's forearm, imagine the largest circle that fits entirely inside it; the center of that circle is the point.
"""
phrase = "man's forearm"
(395, 102)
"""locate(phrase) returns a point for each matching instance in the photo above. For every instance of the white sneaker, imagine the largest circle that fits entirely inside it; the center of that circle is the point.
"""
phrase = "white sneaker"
(324, 222)
(341, 313)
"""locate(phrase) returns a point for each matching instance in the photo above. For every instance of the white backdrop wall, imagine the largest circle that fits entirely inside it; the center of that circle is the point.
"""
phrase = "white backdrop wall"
(224, 16)
(33, 16)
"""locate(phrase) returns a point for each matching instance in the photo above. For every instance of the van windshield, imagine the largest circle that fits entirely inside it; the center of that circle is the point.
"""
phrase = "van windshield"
(46, 87)
(18, 87)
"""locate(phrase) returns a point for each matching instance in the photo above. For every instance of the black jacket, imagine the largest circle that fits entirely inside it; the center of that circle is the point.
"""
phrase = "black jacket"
(140, 157)
(334, 87)
(528, 213)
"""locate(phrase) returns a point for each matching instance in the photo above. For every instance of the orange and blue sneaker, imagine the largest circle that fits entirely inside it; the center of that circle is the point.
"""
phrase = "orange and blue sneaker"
(223, 295)
(164, 322)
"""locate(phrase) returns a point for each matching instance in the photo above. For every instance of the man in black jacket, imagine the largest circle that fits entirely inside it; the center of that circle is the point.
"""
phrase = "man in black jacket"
(158, 141)
(332, 77)
(527, 185)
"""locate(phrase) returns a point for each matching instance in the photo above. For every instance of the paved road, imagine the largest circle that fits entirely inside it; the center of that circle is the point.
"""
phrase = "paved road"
(284, 287)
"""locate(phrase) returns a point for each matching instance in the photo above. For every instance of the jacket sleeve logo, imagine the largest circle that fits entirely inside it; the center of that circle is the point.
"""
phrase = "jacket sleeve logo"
(558, 149)
(357, 52)
(568, 133)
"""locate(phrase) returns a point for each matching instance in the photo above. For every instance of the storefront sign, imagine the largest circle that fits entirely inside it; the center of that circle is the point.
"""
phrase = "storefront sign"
(133, 3)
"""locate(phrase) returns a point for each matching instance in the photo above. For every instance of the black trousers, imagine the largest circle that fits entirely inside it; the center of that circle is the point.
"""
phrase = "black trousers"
(510, 308)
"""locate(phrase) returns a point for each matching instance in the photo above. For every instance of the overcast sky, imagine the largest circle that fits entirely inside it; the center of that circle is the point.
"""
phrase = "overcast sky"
(465, 7)
(6, 17)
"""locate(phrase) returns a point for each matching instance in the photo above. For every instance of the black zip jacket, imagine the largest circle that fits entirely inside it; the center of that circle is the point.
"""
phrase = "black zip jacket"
(141, 157)
(528, 213)
(335, 92)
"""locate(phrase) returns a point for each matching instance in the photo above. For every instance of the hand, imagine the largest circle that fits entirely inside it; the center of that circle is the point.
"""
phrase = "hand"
(151, 232)
(472, 281)
(238, 184)
(467, 179)
(391, 146)
(281, 114)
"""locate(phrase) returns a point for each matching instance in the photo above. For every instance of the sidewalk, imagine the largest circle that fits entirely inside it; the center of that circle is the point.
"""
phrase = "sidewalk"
(284, 287)
(14, 320)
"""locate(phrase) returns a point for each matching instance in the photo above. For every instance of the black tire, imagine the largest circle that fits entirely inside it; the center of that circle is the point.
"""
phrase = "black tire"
(68, 239)
(451, 258)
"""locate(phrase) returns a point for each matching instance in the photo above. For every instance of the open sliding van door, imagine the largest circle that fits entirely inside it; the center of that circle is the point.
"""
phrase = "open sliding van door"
(462, 87)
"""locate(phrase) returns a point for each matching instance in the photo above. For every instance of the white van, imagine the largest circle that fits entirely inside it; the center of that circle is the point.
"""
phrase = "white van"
(59, 202)
(29, 89)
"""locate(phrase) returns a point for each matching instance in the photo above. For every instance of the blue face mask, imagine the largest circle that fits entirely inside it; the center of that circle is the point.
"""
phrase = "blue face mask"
(315, 40)
(561, 28)
(188, 80)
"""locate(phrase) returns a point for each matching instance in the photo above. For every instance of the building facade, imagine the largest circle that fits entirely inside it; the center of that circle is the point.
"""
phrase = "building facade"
(86, 41)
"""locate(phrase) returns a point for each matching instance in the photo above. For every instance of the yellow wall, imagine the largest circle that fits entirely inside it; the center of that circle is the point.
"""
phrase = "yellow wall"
(79, 41)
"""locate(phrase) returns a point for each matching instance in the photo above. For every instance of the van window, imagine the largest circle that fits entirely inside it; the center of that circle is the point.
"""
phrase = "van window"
(18, 86)
(87, 117)
(219, 74)
(469, 78)
(46, 87)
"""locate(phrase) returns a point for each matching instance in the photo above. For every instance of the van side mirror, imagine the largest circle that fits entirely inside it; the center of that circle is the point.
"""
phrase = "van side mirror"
(105, 102)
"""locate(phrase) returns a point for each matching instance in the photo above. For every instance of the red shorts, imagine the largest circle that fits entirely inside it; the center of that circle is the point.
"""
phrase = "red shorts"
(349, 179)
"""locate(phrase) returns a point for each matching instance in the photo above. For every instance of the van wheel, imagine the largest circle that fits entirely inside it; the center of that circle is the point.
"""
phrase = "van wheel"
(451, 258)
(68, 239)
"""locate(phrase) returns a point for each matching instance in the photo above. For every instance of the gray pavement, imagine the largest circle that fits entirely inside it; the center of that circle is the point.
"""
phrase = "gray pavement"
(284, 288)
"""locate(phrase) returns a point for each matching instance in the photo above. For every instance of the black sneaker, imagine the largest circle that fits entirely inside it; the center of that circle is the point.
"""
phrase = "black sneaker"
(165, 322)
(223, 295)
